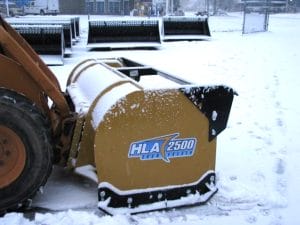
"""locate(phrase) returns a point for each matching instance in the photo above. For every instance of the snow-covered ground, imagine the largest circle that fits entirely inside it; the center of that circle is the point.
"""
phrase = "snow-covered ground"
(257, 155)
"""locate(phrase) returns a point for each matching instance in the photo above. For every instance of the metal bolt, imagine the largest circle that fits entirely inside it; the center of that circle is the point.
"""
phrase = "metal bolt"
(188, 191)
(102, 195)
(159, 196)
(129, 200)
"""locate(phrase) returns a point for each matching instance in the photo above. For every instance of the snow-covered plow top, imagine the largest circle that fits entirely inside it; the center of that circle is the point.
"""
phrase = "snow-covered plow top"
(185, 28)
(124, 33)
(153, 147)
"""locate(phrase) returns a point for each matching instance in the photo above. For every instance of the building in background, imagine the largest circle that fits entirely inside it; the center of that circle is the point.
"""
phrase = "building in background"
(109, 7)
(72, 6)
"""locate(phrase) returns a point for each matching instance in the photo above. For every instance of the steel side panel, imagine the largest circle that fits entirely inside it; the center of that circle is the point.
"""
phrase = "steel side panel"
(144, 115)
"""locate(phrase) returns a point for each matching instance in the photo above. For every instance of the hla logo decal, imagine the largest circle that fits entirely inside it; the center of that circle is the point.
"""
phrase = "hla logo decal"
(163, 147)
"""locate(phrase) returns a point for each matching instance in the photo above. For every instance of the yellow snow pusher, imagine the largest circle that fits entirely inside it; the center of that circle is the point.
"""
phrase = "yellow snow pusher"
(185, 28)
(124, 33)
(152, 148)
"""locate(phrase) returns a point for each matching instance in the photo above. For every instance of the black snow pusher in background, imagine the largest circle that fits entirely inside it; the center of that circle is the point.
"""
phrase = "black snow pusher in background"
(185, 28)
(121, 33)
(41, 33)
(46, 40)
(68, 25)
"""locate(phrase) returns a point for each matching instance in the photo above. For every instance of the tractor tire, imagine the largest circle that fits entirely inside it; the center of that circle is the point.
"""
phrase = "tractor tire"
(26, 153)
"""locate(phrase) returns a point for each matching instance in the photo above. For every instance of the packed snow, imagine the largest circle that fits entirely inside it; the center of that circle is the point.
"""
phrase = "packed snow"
(258, 156)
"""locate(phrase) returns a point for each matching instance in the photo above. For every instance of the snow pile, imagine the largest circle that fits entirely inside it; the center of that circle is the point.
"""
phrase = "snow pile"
(67, 218)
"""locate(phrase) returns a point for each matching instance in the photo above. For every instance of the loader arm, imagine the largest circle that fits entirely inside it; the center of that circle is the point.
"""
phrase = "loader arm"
(28, 75)
(20, 51)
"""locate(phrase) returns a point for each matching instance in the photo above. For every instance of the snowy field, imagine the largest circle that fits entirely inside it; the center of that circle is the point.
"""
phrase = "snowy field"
(258, 154)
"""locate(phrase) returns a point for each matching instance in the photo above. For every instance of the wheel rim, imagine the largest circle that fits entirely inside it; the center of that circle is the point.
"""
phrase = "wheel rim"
(12, 156)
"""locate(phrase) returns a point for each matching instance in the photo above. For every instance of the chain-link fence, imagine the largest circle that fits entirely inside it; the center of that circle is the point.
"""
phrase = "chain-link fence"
(256, 16)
